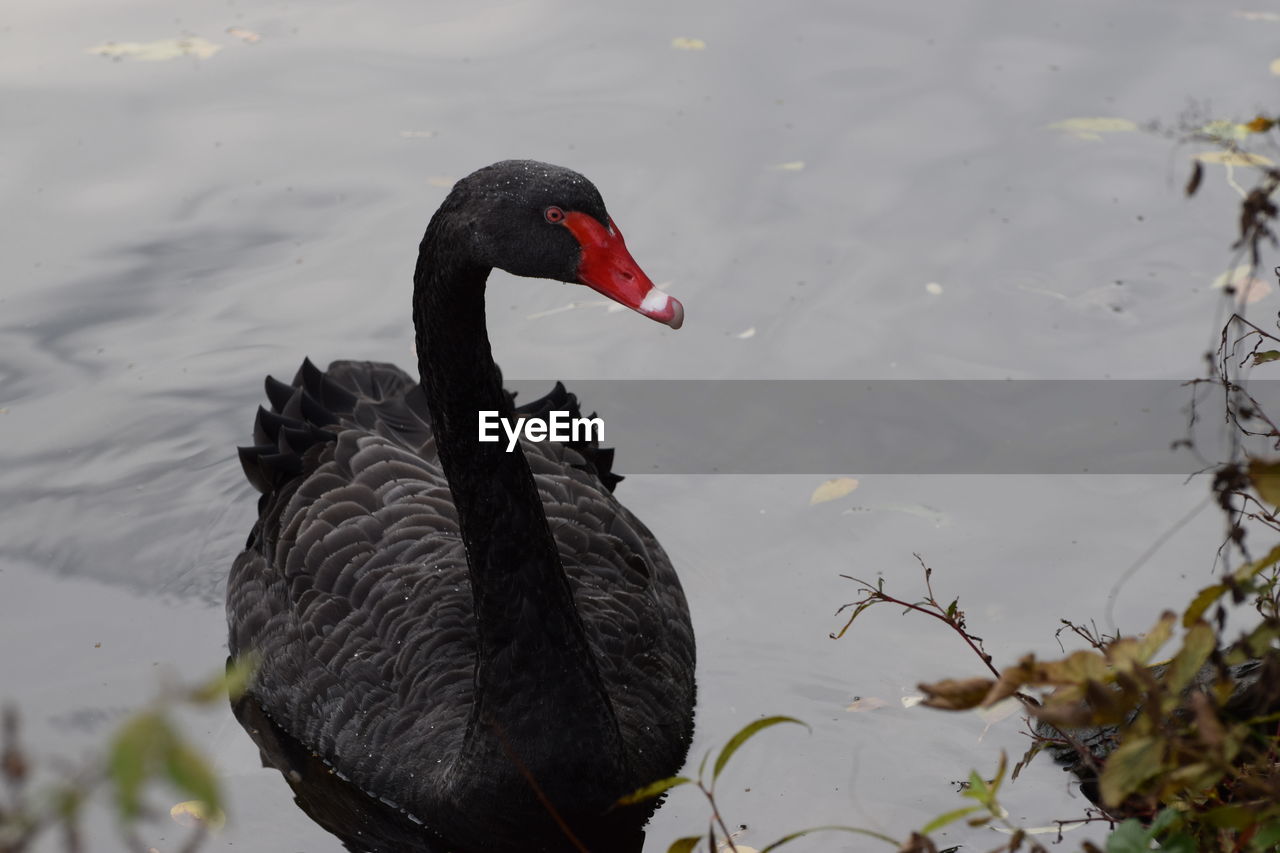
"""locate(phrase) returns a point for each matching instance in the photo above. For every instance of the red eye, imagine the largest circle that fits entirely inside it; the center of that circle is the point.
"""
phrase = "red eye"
(554, 215)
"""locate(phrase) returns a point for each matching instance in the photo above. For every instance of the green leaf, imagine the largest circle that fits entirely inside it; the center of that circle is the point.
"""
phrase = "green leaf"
(948, 817)
(793, 836)
(1265, 356)
(1129, 837)
(1166, 819)
(1000, 771)
(685, 845)
(134, 753)
(1197, 645)
(1179, 844)
(1267, 838)
(653, 789)
(1202, 602)
(1248, 570)
(230, 683)
(748, 731)
(1231, 816)
(188, 770)
(1135, 761)
(978, 788)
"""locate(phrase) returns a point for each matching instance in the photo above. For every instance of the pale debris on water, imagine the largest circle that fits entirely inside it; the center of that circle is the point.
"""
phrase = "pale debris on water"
(418, 134)
(194, 813)
(1233, 158)
(749, 332)
(1249, 288)
(1273, 17)
(833, 489)
(790, 166)
(933, 288)
(911, 701)
(1091, 129)
(244, 35)
(1225, 131)
(866, 703)
(157, 51)
(684, 43)
(1275, 67)
(441, 181)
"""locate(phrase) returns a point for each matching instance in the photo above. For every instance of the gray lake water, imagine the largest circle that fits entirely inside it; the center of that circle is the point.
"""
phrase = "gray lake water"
(835, 190)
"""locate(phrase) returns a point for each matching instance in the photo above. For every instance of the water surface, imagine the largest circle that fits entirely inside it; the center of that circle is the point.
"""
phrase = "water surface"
(176, 229)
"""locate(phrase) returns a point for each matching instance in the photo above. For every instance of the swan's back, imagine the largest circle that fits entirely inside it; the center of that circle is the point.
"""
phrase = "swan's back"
(353, 590)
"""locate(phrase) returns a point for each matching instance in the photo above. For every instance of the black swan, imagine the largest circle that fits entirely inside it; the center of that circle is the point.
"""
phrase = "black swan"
(484, 641)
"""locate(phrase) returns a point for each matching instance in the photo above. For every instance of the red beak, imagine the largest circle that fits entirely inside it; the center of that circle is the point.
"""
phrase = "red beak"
(608, 268)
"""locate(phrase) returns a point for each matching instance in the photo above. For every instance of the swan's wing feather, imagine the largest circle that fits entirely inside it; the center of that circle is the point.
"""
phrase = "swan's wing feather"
(631, 603)
(354, 590)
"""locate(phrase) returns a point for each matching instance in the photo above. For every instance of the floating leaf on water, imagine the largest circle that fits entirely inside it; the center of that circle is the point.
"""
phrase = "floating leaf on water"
(1258, 358)
(683, 43)
(933, 289)
(1227, 131)
(1044, 830)
(933, 516)
(833, 489)
(1091, 129)
(790, 166)
(245, 35)
(193, 813)
(749, 332)
(1248, 288)
(1233, 158)
(866, 703)
(157, 51)
(1261, 124)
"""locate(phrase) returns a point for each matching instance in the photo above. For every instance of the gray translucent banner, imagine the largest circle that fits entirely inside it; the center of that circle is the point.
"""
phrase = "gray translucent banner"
(906, 427)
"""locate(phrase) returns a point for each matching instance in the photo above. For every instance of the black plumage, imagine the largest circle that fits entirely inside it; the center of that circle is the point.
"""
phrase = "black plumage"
(487, 642)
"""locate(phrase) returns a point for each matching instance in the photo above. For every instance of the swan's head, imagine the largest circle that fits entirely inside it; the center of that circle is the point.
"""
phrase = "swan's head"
(542, 221)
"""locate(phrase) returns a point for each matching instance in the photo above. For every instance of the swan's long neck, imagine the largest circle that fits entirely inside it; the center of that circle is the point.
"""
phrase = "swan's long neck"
(539, 696)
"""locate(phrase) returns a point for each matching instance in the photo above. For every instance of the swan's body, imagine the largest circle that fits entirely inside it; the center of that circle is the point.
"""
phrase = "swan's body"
(499, 655)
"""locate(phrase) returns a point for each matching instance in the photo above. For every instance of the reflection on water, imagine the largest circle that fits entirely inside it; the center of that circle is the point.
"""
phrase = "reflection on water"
(179, 228)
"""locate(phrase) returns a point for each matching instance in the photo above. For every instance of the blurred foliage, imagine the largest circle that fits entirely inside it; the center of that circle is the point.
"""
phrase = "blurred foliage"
(718, 836)
(1184, 753)
(145, 750)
